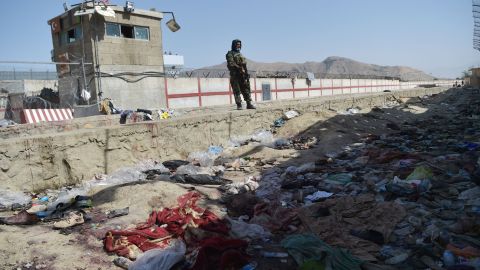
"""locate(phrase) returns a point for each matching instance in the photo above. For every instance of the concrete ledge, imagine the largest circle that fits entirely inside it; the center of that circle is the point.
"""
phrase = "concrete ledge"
(53, 160)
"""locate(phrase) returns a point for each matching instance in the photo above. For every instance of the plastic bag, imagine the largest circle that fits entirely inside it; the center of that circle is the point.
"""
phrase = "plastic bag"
(127, 175)
(215, 150)
(470, 194)
(243, 230)
(290, 114)
(9, 198)
(191, 169)
(64, 200)
(318, 195)
(351, 111)
(264, 137)
(205, 159)
(408, 187)
(160, 259)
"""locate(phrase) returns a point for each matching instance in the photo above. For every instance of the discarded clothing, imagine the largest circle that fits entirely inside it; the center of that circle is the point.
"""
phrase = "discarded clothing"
(279, 122)
(172, 165)
(219, 253)
(162, 226)
(129, 116)
(308, 247)
(124, 115)
(198, 179)
(273, 216)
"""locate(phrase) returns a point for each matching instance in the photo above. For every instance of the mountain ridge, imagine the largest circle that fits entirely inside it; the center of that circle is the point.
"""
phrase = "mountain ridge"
(334, 65)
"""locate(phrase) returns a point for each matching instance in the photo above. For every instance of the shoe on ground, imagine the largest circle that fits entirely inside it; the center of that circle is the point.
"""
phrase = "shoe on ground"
(239, 106)
(37, 208)
(250, 106)
(22, 218)
(72, 220)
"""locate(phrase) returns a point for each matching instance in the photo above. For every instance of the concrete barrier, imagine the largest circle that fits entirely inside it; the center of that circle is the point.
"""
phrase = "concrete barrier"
(54, 160)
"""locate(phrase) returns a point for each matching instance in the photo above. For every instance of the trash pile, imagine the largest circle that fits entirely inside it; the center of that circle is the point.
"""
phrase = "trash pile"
(409, 199)
(140, 115)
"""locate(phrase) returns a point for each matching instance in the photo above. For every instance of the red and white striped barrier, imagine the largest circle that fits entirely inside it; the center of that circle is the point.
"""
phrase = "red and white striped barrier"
(30, 116)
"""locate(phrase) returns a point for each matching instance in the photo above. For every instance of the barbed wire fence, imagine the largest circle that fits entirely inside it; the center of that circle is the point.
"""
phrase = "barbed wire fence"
(44, 94)
(223, 73)
(27, 70)
(15, 73)
(476, 24)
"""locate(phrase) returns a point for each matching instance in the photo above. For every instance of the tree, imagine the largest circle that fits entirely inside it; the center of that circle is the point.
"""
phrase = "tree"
(466, 73)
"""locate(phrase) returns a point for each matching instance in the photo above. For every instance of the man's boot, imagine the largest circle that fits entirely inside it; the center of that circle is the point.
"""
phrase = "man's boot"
(250, 106)
(239, 106)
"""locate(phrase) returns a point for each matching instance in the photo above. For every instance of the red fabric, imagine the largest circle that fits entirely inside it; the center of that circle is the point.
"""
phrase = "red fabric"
(162, 226)
(219, 253)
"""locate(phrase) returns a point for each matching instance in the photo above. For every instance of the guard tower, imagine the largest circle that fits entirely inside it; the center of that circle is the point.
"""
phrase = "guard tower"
(109, 51)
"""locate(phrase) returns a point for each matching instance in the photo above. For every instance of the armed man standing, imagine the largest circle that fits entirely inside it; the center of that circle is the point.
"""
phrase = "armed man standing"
(239, 78)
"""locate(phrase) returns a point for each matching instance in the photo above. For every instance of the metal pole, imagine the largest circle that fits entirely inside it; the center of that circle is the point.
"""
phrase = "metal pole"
(97, 62)
(85, 79)
(14, 74)
(98, 66)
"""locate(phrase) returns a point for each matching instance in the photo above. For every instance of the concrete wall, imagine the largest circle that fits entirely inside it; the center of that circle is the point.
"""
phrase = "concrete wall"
(28, 87)
(18, 89)
(54, 160)
(200, 92)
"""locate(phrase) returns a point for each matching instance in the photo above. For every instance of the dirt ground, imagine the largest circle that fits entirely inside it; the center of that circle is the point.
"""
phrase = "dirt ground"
(41, 247)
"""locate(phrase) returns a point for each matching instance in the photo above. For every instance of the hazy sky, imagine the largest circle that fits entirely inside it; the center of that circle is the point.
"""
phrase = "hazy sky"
(432, 35)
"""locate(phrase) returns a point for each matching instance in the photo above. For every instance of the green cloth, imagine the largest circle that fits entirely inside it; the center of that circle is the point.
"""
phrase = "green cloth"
(421, 173)
(339, 179)
(305, 248)
(312, 265)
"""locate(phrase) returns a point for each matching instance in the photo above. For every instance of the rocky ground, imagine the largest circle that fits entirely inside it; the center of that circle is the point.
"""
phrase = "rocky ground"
(369, 188)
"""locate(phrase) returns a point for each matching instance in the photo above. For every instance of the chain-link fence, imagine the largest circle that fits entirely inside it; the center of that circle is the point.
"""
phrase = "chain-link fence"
(28, 75)
(476, 24)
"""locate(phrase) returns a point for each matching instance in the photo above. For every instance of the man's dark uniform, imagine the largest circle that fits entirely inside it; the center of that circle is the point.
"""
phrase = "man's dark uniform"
(237, 65)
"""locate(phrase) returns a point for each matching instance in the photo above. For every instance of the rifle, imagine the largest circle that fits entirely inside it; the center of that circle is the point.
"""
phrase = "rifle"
(245, 76)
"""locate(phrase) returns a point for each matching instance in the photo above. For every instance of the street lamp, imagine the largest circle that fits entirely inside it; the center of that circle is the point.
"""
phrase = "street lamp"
(172, 24)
